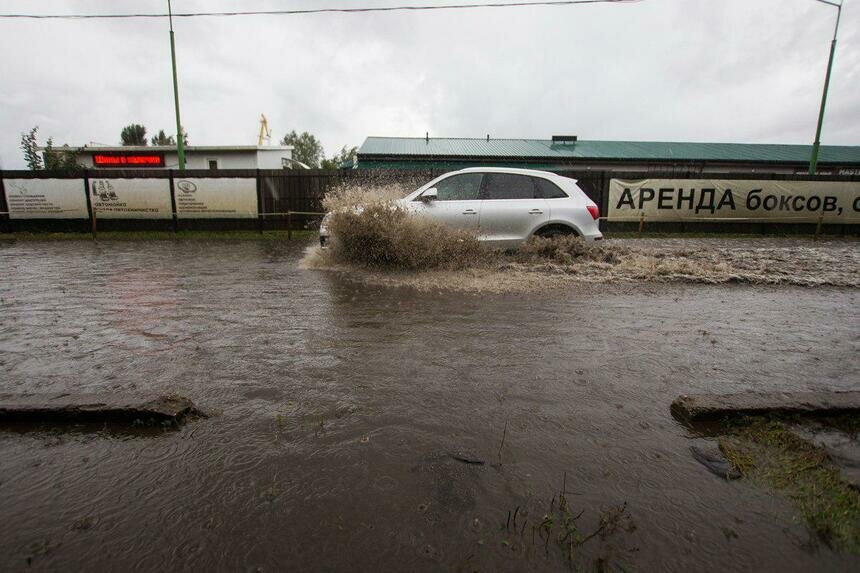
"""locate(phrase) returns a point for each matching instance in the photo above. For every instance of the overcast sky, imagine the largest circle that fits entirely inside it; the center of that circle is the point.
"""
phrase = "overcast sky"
(659, 70)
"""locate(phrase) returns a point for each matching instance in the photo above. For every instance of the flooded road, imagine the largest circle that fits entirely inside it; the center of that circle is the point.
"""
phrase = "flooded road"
(342, 413)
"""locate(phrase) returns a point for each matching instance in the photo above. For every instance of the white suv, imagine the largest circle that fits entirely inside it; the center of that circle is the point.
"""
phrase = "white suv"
(504, 207)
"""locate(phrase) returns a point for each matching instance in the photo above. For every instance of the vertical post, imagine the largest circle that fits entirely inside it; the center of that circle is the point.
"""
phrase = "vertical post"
(93, 219)
(260, 204)
(173, 200)
(289, 225)
(813, 161)
(91, 209)
(605, 182)
(641, 222)
(180, 141)
(818, 226)
(3, 207)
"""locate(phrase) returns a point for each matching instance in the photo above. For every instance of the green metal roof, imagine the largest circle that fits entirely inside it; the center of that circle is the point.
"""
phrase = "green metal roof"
(452, 165)
(375, 148)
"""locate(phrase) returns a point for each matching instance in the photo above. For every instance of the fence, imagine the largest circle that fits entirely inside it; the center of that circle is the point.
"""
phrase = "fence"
(281, 199)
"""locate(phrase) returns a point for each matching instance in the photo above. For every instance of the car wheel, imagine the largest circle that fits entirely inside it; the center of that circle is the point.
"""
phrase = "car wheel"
(555, 231)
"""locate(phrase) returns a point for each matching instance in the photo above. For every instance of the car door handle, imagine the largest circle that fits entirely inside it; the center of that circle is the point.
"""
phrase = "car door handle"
(470, 212)
(535, 212)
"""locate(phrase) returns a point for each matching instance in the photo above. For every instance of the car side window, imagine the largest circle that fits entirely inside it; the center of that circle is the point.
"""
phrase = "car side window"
(463, 187)
(508, 186)
(548, 190)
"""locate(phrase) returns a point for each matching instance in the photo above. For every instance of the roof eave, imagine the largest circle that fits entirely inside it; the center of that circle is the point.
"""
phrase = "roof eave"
(454, 158)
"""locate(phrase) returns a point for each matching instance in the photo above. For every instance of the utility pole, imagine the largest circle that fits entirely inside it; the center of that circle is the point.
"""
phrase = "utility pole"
(813, 161)
(180, 141)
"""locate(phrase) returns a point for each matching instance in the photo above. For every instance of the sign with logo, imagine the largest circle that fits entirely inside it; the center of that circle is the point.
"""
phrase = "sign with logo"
(130, 159)
(46, 199)
(131, 198)
(211, 198)
(742, 200)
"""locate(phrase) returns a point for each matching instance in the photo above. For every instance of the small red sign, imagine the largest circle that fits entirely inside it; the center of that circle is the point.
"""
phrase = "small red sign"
(128, 159)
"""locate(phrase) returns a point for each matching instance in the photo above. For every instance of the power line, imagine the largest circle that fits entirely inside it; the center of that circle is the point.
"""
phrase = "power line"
(312, 10)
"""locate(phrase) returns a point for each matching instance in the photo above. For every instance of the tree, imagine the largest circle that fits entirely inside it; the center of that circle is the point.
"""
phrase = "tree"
(30, 147)
(63, 159)
(133, 134)
(162, 138)
(344, 159)
(306, 148)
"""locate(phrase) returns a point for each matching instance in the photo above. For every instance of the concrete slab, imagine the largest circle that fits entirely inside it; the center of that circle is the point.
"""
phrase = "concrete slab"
(94, 408)
(701, 407)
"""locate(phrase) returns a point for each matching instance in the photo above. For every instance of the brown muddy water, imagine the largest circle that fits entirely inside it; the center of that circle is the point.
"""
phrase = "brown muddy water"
(338, 409)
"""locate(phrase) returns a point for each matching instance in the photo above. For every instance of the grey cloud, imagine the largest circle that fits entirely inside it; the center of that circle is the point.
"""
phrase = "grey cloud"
(658, 70)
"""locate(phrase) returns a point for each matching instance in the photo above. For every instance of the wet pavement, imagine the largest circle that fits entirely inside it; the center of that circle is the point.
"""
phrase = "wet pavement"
(342, 414)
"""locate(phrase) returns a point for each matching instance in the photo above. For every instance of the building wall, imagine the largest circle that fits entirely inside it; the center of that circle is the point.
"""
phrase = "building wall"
(272, 158)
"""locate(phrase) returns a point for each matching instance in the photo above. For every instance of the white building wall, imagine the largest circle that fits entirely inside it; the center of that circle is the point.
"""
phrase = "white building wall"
(272, 158)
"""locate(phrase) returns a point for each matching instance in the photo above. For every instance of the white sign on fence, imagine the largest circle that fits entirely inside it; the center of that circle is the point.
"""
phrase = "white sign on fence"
(742, 200)
(46, 198)
(131, 198)
(210, 198)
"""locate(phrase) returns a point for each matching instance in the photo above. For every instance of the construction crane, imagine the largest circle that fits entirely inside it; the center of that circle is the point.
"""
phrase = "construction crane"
(265, 134)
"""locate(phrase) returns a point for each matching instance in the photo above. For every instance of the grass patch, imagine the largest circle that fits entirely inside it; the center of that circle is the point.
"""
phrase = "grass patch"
(767, 454)
(559, 526)
(161, 236)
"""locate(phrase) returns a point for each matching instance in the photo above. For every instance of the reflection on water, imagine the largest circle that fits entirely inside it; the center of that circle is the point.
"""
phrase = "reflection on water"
(337, 407)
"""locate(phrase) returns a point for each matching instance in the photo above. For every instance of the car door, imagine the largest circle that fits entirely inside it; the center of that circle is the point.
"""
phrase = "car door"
(512, 208)
(457, 202)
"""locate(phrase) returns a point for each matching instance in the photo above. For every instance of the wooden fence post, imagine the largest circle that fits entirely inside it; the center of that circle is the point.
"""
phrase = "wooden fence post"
(90, 207)
(5, 216)
(289, 225)
(260, 203)
(641, 223)
(93, 218)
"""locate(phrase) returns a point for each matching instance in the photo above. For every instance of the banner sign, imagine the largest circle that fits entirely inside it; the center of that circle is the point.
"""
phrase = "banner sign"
(742, 200)
(133, 159)
(221, 198)
(46, 199)
(131, 198)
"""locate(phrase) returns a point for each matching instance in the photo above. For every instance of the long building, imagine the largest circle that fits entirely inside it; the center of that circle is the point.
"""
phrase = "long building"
(571, 153)
(210, 157)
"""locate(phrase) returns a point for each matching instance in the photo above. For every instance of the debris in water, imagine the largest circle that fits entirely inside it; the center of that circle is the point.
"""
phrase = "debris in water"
(712, 406)
(715, 463)
(113, 407)
(467, 458)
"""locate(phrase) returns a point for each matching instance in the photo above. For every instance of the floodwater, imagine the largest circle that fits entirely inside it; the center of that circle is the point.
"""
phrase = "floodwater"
(338, 408)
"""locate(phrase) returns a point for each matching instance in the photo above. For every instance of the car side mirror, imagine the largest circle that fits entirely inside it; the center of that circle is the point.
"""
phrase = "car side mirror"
(430, 195)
